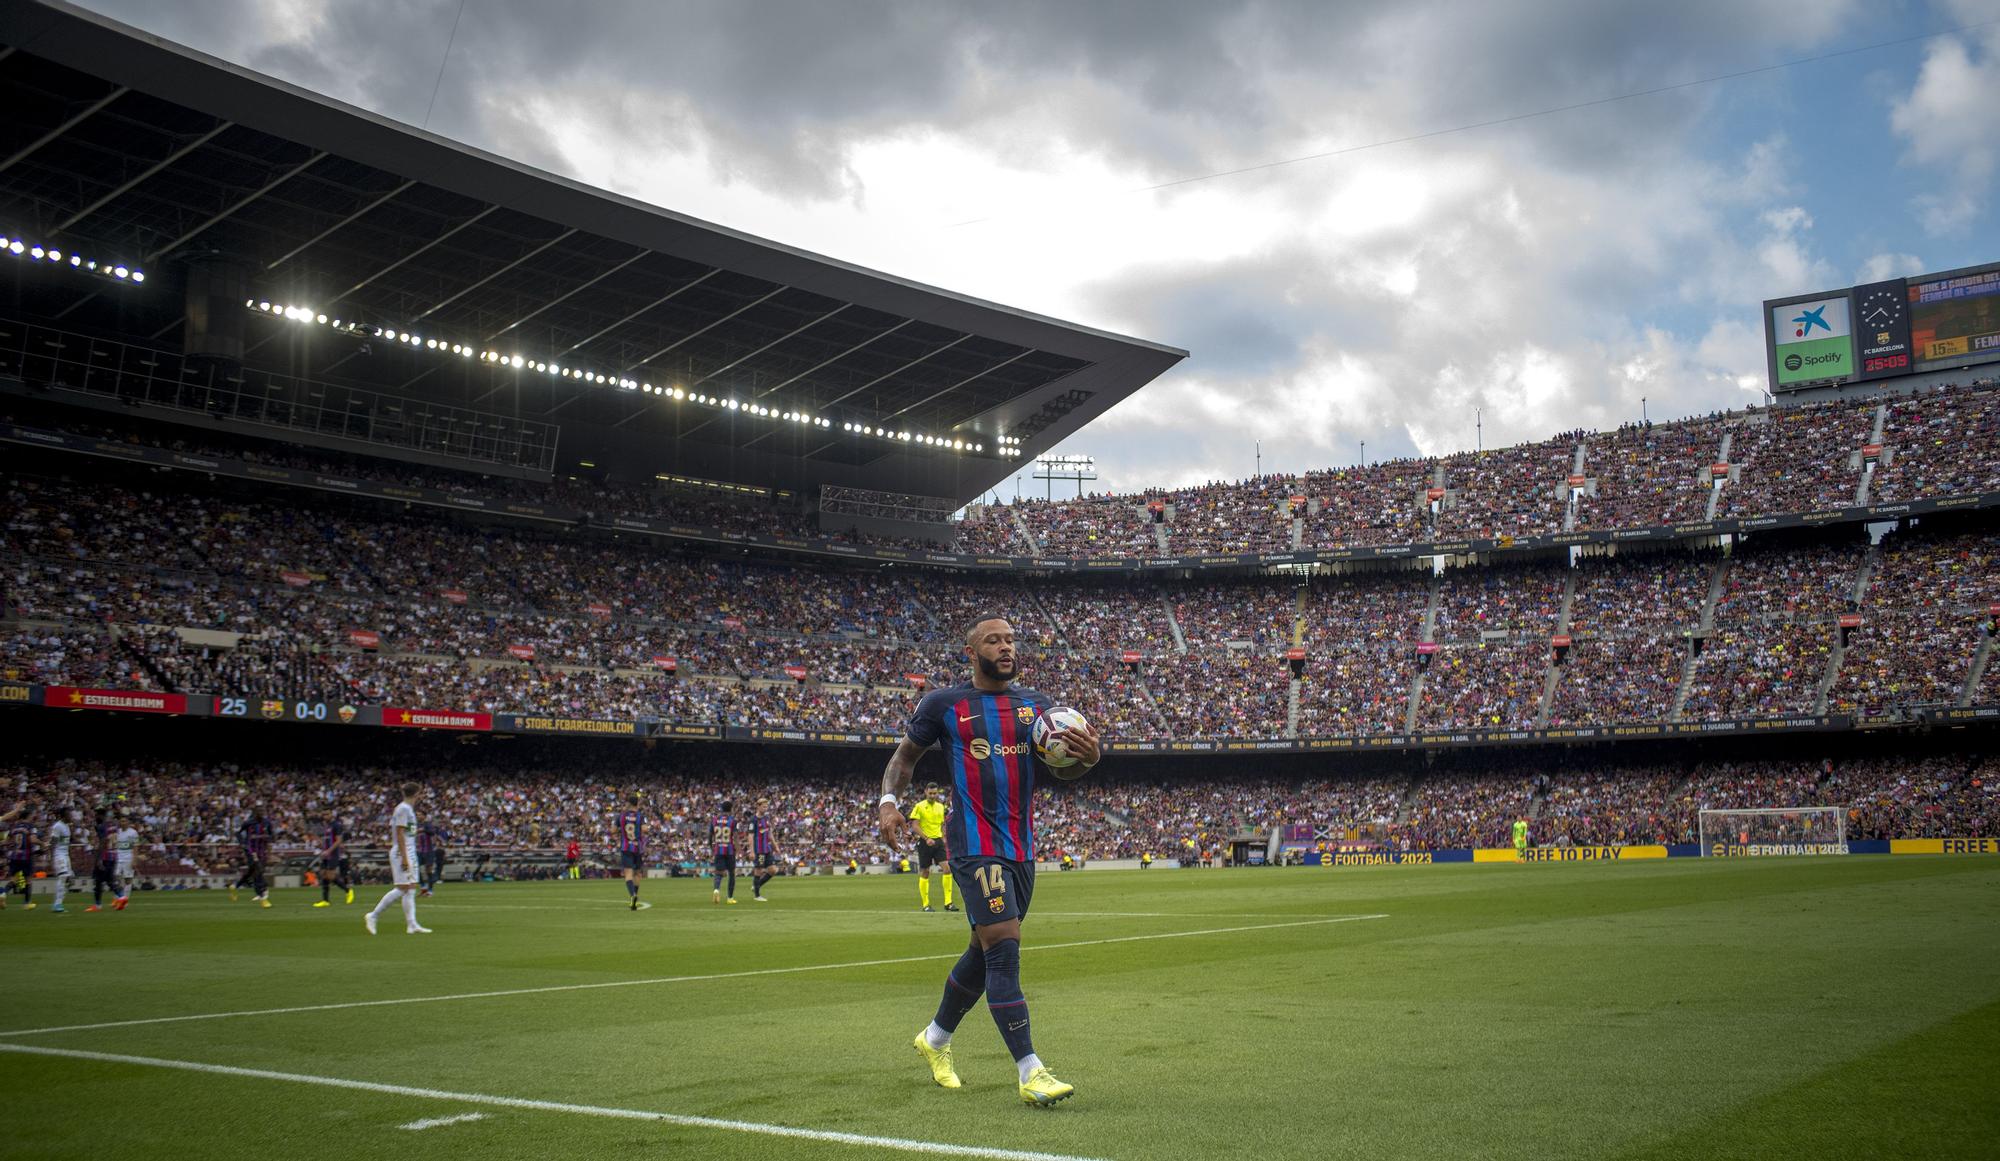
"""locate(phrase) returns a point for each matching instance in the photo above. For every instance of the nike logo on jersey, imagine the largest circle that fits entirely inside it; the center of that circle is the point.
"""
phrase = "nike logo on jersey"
(962, 721)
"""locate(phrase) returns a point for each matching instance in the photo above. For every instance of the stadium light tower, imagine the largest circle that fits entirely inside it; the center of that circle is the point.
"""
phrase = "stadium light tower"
(1078, 468)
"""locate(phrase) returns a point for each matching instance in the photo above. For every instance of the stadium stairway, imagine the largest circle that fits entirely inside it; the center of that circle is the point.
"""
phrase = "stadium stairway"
(1553, 672)
(1717, 583)
(1160, 538)
(1430, 634)
(1174, 627)
(1836, 655)
(1981, 658)
(1021, 529)
(1298, 639)
(1874, 437)
(1570, 494)
(1153, 706)
(1715, 490)
(136, 656)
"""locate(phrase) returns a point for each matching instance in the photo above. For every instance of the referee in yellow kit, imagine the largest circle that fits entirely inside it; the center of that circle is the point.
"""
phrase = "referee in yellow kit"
(929, 817)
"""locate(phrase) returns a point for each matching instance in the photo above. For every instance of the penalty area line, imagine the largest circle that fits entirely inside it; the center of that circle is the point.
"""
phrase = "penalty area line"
(828, 1136)
(687, 979)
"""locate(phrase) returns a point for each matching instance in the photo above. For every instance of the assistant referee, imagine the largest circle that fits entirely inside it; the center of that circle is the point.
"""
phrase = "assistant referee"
(929, 817)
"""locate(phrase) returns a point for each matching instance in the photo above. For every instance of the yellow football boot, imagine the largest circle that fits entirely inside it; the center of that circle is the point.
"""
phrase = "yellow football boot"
(940, 1061)
(1042, 1088)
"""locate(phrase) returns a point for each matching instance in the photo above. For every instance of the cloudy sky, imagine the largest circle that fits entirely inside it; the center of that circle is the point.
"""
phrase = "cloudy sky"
(1416, 239)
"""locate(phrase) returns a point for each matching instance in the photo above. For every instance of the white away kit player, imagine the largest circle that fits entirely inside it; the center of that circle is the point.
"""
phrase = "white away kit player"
(59, 868)
(402, 864)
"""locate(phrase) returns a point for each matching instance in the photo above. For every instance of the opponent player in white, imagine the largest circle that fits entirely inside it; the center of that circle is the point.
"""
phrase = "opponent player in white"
(59, 868)
(402, 864)
(128, 842)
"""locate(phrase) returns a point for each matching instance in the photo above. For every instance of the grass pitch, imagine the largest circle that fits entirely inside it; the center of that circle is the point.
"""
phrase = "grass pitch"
(1824, 1007)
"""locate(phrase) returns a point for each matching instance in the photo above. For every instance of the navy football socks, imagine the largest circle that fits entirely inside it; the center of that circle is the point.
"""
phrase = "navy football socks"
(1004, 998)
(962, 987)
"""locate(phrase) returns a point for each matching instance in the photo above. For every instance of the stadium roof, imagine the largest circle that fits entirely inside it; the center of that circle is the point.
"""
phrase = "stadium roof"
(149, 154)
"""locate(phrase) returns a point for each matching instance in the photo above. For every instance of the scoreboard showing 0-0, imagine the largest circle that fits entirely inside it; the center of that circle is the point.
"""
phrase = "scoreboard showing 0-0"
(1881, 330)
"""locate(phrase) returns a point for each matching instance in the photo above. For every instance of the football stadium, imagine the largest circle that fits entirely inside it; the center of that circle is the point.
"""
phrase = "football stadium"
(473, 643)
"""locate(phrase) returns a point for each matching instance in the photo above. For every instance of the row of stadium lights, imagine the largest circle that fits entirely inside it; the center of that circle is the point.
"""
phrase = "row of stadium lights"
(56, 257)
(306, 314)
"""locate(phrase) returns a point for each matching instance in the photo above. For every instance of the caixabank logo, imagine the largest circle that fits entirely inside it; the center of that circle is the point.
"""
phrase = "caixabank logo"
(1812, 340)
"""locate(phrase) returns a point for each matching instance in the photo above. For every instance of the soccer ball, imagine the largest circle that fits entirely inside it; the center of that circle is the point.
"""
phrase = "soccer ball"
(1053, 752)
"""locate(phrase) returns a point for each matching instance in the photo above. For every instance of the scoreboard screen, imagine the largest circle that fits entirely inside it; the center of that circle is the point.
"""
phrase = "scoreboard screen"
(1884, 330)
(1955, 321)
(274, 709)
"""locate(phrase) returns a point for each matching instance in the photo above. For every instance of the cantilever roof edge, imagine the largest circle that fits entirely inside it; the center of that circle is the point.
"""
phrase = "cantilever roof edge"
(95, 44)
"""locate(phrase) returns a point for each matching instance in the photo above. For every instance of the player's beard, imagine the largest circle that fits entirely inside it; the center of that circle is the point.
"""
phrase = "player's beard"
(991, 671)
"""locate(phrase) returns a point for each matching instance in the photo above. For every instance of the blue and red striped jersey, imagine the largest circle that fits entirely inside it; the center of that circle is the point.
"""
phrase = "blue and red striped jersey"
(331, 839)
(722, 835)
(430, 839)
(986, 738)
(760, 836)
(630, 827)
(255, 835)
(21, 841)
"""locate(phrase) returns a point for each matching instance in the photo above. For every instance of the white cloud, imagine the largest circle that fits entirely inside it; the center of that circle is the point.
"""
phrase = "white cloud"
(1877, 267)
(1950, 123)
(1550, 272)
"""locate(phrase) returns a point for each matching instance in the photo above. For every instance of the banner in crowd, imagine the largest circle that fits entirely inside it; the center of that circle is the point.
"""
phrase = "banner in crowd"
(36, 437)
(432, 719)
(145, 701)
(529, 724)
(127, 700)
(1383, 858)
(1944, 846)
(1566, 854)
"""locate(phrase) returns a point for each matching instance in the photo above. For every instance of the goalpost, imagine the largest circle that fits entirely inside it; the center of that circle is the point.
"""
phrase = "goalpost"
(1774, 830)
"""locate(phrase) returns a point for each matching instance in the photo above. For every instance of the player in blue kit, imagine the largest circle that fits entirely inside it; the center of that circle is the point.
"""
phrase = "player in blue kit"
(722, 844)
(628, 827)
(985, 729)
(764, 848)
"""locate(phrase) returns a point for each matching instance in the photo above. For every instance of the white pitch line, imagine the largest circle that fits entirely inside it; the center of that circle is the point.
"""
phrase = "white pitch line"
(821, 967)
(472, 1098)
(440, 1122)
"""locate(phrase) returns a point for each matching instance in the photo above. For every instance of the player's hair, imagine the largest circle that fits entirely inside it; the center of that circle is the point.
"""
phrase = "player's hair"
(727, 806)
(972, 626)
(409, 790)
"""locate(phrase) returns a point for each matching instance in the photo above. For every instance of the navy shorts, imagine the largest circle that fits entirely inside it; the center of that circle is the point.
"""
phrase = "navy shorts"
(995, 889)
(632, 861)
(725, 864)
(766, 861)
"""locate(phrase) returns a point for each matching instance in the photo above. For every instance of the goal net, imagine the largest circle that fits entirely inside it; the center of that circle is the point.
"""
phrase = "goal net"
(1776, 830)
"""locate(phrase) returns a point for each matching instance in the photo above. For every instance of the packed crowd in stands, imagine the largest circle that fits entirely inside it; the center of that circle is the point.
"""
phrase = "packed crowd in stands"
(1618, 679)
(150, 579)
(110, 584)
(1799, 459)
(822, 806)
(1650, 473)
(1792, 459)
